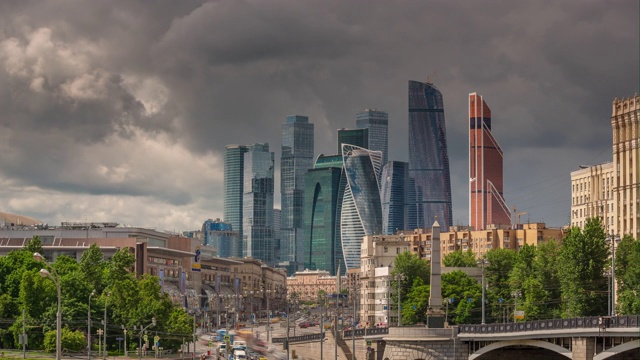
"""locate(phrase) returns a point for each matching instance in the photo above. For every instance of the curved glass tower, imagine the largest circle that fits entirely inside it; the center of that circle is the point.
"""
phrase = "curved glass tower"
(361, 212)
(428, 158)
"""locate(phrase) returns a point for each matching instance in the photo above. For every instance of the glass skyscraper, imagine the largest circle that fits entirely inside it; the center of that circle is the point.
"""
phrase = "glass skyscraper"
(378, 124)
(257, 215)
(233, 192)
(323, 200)
(357, 137)
(361, 212)
(220, 235)
(428, 157)
(394, 184)
(296, 160)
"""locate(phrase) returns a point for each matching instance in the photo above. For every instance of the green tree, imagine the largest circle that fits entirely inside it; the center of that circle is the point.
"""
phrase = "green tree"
(628, 276)
(8, 310)
(120, 266)
(408, 266)
(583, 260)
(179, 326)
(466, 293)
(545, 268)
(70, 341)
(498, 291)
(92, 265)
(414, 307)
(460, 258)
(34, 245)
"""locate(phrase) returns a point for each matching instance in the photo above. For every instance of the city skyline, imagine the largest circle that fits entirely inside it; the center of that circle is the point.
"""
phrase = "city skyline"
(121, 113)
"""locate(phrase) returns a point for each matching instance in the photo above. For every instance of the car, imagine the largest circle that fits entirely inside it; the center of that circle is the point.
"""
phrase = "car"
(304, 325)
(239, 355)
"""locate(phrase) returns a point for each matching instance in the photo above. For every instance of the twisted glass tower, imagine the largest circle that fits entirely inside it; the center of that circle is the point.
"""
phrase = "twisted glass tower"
(428, 158)
(233, 193)
(361, 212)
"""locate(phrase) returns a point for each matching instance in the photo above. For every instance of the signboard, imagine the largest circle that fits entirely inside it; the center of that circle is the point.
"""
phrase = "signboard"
(518, 314)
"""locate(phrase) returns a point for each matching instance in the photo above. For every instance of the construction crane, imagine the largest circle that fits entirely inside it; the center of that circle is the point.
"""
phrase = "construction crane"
(517, 215)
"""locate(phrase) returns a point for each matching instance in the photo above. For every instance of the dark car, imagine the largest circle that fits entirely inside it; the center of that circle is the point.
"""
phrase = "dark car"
(304, 325)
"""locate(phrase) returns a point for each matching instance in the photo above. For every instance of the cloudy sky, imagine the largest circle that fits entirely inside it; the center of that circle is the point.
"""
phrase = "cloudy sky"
(120, 110)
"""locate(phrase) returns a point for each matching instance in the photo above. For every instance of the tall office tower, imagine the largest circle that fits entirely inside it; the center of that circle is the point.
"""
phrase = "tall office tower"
(277, 233)
(486, 201)
(393, 194)
(378, 124)
(323, 195)
(428, 158)
(361, 212)
(626, 164)
(297, 159)
(220, 235)
(233, 192)
(357, 137)
(257, 215)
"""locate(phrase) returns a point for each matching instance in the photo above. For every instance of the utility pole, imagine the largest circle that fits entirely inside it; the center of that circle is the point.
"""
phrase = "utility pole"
(321, 330)
(288, 316)
(353, 326)
(106, 301)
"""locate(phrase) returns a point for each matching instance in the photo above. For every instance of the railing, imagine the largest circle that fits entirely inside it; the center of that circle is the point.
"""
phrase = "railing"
(300, 338)
(627, 321)
(361, 332)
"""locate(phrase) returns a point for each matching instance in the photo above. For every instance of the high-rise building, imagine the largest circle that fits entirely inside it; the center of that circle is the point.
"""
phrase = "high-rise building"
(357, 137)
(297, 159)
(323, 200)
(277, 233)
(592, 195)
(626, 164)
(486, 199)
(361, 212)
(220, 235)
(393, 194)
(428, 157)
(378, 124)
(233, 192)
(257, 215)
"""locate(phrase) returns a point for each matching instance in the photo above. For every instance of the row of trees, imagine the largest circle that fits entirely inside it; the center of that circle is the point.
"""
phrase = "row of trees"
(130, 301)
(550, 280)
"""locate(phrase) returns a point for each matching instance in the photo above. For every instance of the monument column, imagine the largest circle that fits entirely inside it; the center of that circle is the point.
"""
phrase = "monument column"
(435, 314)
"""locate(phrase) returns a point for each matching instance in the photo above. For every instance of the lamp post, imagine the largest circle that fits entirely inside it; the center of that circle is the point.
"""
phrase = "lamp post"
(56, 280)
(89, 326)
(106, 302)
(399, 278)
(124, 329)
(142, 330)
(483, 262)
(446, 309)
(613, 239)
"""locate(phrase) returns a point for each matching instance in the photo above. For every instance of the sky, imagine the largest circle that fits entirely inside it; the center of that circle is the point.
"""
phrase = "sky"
(119, 111)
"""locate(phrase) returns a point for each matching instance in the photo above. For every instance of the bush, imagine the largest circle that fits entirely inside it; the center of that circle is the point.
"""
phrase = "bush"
(71, 340)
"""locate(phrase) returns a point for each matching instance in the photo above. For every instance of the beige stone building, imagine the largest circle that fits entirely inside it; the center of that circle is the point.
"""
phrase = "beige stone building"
(308, 283)
(592, 194)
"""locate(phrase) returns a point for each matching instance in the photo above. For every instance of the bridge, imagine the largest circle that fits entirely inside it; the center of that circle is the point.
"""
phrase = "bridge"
(586, 338)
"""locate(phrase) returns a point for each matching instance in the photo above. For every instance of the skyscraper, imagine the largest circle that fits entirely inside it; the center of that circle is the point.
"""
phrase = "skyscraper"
(393, 194)
(361, 212)
(486, 201)
(323, 200)
(219, 235)
(296, 160)
(428, 157)
(378, 124)
(233, 192)
(257, 215)
(357, 137)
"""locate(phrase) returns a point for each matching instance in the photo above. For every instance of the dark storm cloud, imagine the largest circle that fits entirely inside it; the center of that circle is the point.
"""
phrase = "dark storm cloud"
(138, 99)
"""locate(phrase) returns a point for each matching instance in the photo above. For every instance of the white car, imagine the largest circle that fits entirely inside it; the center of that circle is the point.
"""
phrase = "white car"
(239, 355)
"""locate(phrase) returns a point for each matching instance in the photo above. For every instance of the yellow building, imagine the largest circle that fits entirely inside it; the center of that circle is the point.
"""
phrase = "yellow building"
(592, 195)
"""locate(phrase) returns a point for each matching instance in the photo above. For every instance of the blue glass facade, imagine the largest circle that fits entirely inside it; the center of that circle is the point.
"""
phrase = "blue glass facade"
(428, 158)
(377, 122)
(323, 199)
(394, 184)
(221, 236)
(257, 220)
(361, 212)
(296, 160)
(234, 192)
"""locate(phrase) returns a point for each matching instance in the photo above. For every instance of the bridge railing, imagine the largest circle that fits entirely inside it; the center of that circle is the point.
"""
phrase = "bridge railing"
(301, 338)
(626, 321)
(361, 332)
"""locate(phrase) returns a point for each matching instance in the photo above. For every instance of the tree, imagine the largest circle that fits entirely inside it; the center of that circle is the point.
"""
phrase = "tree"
(628, 276)
(498, 291)
(414, 307)
(466, 294)
(583, 260)
(459, 258)
(71, 340)
(34, 245)
(545, 268)
(411, 267)
(92, 265)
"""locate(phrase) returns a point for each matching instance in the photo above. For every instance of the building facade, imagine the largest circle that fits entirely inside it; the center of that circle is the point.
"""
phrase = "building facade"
(257, 213)
(234, 191)
(357, 137)
(309, 284)
(428, 158)
(377, 123)
(626, 164)
(394, 185)
(221, 236)
(296, 160)
(361, 212)
(323, 201)
(592, 195)
(486, 198)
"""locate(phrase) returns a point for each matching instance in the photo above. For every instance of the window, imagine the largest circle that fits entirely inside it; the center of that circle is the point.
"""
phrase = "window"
(386, 249)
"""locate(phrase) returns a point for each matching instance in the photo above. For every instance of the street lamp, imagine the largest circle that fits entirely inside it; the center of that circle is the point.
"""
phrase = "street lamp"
(142, 331)
(106, 303)
(483, 262)
(89, 326)
(613, 239)
(399, 278)
(56, 280)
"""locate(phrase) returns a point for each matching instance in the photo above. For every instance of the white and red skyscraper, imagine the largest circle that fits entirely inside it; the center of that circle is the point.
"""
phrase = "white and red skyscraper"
(486, 200)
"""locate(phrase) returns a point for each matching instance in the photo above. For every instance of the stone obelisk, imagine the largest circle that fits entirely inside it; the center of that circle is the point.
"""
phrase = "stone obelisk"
(435, 315)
